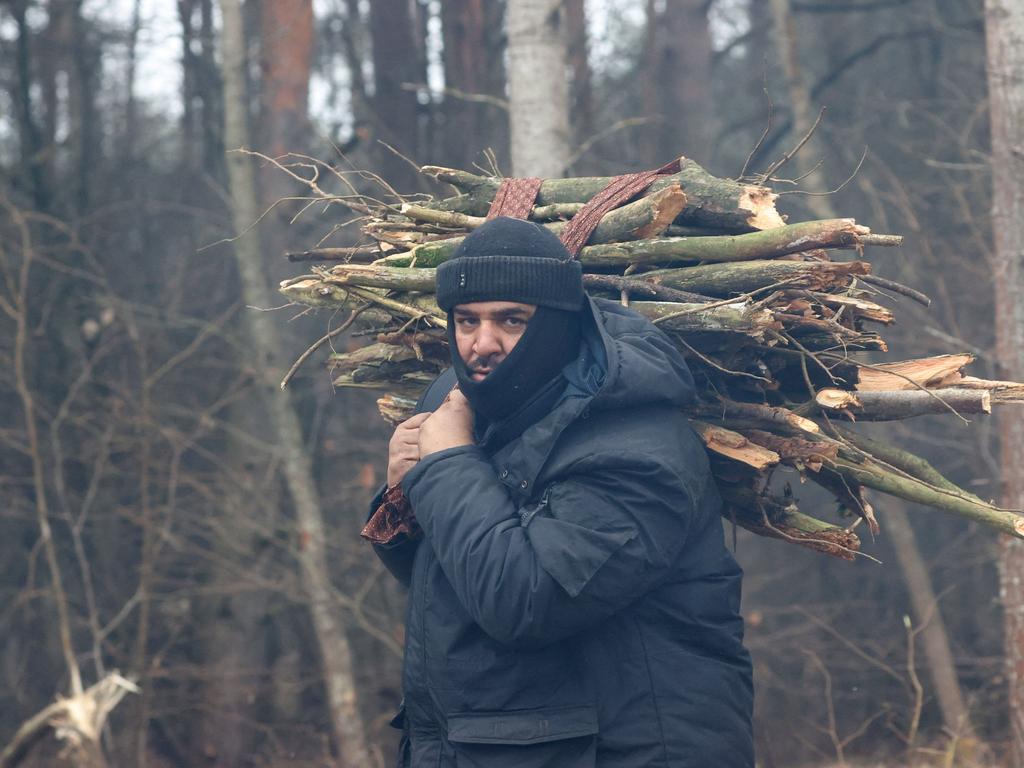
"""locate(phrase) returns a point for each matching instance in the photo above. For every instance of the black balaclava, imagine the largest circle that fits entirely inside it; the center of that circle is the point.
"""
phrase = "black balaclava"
(513, 260)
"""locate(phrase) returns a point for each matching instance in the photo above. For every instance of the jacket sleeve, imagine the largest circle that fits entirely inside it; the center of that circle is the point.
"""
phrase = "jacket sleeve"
(398, 555)
(601, 537)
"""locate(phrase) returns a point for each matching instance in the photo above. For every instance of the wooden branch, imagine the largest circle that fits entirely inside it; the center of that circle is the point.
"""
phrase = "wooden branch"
(360, 253)
(637, 287)
(711, 202)
(915, 466)
(344, 284)
(794, 451)
(876, 405)
(849, 493)
(739, 317)
(868, 310)
(746, 276)
(899, 288)
(758, 415)
(643, 218)
(943, 370)
(874, 475)
(779, 518)
(1001, 391)
(625, 237)
(79, 720)
(395, 409)
(735, 446)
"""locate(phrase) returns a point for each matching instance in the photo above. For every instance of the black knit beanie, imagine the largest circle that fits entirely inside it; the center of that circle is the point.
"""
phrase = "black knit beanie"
(513, 260)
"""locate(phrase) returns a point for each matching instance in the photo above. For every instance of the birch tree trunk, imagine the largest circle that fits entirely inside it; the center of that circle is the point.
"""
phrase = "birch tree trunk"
(538, 88)
(335, 651)
(1004, 30)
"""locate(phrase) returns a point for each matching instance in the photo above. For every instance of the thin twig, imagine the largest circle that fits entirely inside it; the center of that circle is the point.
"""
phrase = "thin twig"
(789, 155)
(764, 135)
(320, 342)
(718, 367)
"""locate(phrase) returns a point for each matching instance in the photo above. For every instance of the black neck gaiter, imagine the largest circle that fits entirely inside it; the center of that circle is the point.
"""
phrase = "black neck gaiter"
(550, 342)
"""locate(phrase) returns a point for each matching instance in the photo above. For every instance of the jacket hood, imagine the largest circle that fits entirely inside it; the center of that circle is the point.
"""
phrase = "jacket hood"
(628, 361)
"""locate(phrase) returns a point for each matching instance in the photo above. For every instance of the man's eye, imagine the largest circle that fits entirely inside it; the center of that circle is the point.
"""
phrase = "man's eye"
(515, 322)
(464, 321)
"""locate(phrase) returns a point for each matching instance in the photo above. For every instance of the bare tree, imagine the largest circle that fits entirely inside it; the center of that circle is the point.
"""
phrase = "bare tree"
(800, 103)
(677, 83)
(538, 88)
(286, 56)
(1004, 29)
(474, 79)
(395, 67)
(335, 652)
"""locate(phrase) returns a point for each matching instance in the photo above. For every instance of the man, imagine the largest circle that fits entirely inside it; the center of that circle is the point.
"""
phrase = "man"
(572, 603)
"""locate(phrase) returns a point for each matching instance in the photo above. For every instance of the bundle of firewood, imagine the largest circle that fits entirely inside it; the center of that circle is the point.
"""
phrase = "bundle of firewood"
(775, 327)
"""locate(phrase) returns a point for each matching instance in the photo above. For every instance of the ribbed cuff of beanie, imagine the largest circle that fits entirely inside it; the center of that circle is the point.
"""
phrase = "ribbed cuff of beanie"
(554, 283)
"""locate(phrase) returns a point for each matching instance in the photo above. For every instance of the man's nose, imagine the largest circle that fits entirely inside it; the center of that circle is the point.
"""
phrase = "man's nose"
(487, 341)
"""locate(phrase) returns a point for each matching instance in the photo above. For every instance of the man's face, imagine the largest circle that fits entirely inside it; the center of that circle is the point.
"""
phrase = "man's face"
(487, 331)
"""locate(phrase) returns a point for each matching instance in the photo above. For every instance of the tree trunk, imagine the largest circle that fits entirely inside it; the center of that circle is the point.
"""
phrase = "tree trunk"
(582, 92)
(286, 56)
(928, 617)
(395, 63)
(473, 68)
(538, 88)
(1004, 29)
(678, 83)
(800, 103)
(333, 644)
(29, 138)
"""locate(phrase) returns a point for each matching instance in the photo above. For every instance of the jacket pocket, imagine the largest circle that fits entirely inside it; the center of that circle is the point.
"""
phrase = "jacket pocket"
(552, 737)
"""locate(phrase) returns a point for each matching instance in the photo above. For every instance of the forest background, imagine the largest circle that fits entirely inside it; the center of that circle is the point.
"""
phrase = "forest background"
(153, 514)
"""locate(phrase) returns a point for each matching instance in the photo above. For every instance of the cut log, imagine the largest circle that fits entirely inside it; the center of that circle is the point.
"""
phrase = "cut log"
(739, 317)
(868, 310)
(627, 233)
(396, 409)
(836, 399)
(644, 218)
(757, 415)
(711, 201)
(745, 276)
(910, 374)
(359, 253)
(904, 404)
(735, 446)
(1001, 391)
(637, 288)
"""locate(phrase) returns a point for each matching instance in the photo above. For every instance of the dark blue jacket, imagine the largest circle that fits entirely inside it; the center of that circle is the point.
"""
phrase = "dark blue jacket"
(572, 603)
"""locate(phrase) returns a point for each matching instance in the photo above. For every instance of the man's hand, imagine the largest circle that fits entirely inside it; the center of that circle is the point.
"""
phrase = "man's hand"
(404, 448)
(449, 426)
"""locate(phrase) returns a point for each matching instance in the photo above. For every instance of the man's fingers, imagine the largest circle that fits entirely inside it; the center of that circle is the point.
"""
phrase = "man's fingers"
(413, 422)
